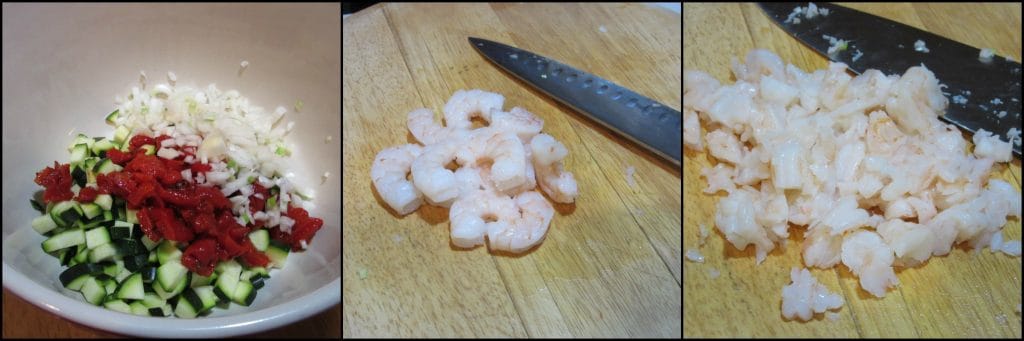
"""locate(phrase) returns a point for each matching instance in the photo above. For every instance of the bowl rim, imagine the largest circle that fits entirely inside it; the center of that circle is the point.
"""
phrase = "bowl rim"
(207, 327)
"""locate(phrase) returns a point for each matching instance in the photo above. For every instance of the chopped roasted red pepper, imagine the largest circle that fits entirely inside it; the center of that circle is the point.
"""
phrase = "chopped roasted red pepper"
(255, 258)
(201, 256)
(140, 140)
(87, 194)
(57, 182)
(174, 208)
(119, 157)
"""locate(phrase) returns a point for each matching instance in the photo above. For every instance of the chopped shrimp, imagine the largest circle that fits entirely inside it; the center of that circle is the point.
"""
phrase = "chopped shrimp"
(422, 126)
(523, 123)
(691, 130)
(389, 171)
(527, 229)
(870, 258)
(474, 214)
(548, 154)
(430, 175)
(466, 104)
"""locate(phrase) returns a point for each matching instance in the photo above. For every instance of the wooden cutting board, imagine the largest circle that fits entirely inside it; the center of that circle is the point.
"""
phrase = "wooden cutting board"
(962, 295)
(611, 263)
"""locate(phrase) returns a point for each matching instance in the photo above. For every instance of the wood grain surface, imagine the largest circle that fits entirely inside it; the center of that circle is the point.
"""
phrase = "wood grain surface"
(965, 294)
(610, 265)
(24, 320)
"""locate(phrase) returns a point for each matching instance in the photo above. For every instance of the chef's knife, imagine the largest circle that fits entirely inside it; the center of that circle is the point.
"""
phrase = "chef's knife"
(650, 124)
(983, 94)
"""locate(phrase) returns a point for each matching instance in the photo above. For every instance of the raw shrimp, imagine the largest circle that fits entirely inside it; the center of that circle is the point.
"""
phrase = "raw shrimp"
(474, 214)
(430, 175)
(422, 126)
(526, 230)
(523, 123)
(548, 154)
(389, 171)
(465, 104)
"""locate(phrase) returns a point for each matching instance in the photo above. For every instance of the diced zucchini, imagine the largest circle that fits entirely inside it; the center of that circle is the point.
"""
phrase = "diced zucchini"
(131, 216)
(121, 276)
(148, 274)
(148, 243)
(121, 229)
(260, 239)
(101, 146)
(227, 281)
(106, 166)
(185, 309)
(38, 206)
(43, 224)
(277, 253)
(91, 210)
(96, 237)
(110, 285)
(139, 309)
(244, 294)
(93, 292)
(104, 201)
(121, 135)
(103, 252)
(78, 176)
(64, 239)
(151, 300)
(170, 273)
(79, 153)
(112, 116)
(198, 281)
(164, 310)
(78, 271)
(132, 288)
(76, 284)
(118, 305)
(135, 262)
(80, 139)
(167, 252)
(64, 213)
(150, 149)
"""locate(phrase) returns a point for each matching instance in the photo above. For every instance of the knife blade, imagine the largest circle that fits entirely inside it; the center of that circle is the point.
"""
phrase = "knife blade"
(650, 124)
(983, 94)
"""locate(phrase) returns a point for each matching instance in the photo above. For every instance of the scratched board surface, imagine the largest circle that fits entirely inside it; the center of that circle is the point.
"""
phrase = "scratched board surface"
(964, 294)
(611, 263)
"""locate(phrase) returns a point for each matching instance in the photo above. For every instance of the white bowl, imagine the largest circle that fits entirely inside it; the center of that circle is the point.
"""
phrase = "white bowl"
(62, 66)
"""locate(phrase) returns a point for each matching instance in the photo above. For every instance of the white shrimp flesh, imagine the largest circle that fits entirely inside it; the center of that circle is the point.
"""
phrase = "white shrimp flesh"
(389, 171)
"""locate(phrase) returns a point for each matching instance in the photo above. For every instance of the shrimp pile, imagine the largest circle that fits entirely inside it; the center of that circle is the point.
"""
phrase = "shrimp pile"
(491, 192)
(861, 164)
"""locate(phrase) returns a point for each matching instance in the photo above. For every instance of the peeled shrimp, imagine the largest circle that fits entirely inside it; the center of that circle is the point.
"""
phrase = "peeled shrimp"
(430, 175)
(422, 126)
(509, 156)
(523, 123)
(526, 230)
(474, 214)
(470, 180)
(464, 105)
(471, 154)
(548, 154)
(389, 171)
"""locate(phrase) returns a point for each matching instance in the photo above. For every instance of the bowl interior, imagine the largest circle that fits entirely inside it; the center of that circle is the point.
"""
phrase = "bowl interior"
(63, 64)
